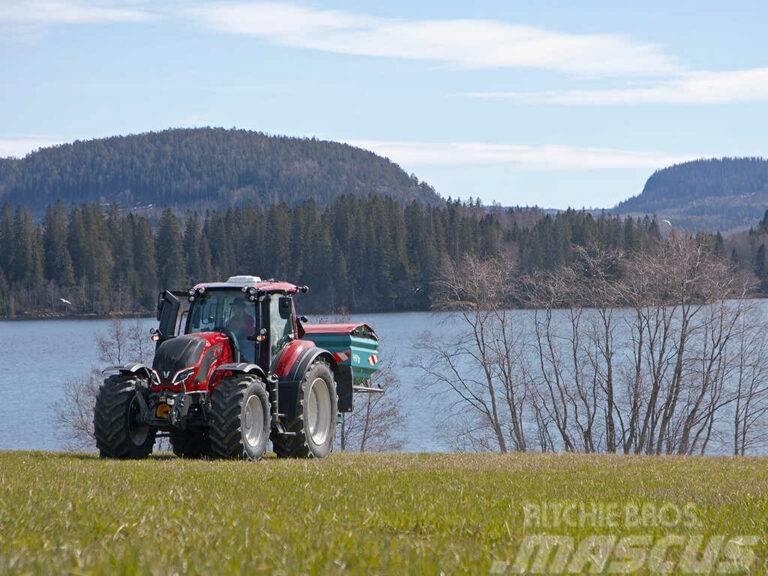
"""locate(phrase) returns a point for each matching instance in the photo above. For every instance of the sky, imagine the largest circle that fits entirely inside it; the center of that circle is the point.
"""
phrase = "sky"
(549, 103)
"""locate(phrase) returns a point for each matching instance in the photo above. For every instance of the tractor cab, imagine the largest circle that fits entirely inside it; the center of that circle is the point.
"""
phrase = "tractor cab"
(257, 317)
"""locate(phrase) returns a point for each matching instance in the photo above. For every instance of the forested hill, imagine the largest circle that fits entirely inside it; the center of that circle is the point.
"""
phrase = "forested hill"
(719, 194)
(202, 168)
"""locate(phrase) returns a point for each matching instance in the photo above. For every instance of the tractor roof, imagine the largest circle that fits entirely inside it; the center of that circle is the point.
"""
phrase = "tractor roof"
(270, 285)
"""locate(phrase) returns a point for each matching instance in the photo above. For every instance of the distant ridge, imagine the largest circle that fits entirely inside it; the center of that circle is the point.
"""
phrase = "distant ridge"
(718, 194)
(201, 168)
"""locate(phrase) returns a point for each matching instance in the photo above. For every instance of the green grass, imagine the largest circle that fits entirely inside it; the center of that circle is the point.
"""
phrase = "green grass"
(356, 514)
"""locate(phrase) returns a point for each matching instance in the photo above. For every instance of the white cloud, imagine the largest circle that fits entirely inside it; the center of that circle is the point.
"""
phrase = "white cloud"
(68, 12)
(543, 157)
(20, 146)
(692, 88)
(463, 43)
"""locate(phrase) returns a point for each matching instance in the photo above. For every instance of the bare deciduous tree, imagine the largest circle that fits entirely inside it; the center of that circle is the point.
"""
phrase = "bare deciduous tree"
(376, 423)
(74, 412)
(750, 405)
(124, 341)
(655, 353)
(482, 368)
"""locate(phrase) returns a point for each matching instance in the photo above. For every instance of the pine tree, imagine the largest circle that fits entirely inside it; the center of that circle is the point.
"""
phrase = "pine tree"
(145, 262)
(170, 253)
(764, 222)
(192, 242)
(761, 267)
(98, 261)
(26, 267)
(719, 245)
(77, 244)
(7, 240)
(125, 280)
(58, 262)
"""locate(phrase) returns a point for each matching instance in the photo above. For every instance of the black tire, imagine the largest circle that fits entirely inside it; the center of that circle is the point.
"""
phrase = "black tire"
(118, 430)
(308, 443)
(240, 418)
(193, 443)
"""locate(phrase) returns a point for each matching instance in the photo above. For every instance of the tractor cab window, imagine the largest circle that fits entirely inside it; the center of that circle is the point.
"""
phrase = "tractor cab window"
(281, 322)
(227, 311)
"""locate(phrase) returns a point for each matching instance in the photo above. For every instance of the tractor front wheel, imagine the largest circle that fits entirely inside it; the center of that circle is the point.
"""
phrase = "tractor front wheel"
(118, 427)
(314, 428)
(240, 418)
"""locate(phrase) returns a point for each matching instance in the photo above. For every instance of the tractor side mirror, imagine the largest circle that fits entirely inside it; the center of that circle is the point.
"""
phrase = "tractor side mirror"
(168, 315)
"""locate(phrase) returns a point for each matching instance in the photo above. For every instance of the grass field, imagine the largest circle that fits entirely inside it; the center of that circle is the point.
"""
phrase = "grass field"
(357, 514)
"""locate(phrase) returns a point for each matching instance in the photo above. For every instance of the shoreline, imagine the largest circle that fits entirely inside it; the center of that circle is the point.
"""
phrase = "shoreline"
(151, 314)
(116, 315)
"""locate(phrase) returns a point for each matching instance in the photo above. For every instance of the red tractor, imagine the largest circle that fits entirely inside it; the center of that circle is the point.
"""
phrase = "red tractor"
(235, 367)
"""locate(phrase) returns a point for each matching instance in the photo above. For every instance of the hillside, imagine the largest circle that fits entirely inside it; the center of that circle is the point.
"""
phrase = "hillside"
(201, 168)
(718, 194)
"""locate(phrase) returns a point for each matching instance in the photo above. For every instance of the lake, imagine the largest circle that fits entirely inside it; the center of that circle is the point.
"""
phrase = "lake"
(41, 355)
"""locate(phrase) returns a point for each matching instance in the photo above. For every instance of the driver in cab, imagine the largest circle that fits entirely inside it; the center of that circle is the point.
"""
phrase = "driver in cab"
(243, 325)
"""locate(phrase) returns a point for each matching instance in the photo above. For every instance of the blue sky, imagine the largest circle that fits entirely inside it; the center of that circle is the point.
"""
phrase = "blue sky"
(555, 103)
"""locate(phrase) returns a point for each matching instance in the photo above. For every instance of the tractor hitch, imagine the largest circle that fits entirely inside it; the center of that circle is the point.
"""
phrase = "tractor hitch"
(368, 389)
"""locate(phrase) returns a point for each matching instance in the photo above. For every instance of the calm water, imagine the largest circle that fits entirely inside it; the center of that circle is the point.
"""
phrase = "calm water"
(40, 356)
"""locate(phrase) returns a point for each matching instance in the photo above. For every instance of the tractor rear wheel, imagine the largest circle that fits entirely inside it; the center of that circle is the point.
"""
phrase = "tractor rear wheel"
(190, 443)
(240, 418)
(314, 427)
(118, 427)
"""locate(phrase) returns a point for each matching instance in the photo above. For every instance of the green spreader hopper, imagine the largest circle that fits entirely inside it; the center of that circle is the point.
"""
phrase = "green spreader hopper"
(355, 346)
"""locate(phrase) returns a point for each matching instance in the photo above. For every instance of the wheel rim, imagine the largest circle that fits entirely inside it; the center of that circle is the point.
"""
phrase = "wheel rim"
(253, 428)
(137, 430)
(319, 411)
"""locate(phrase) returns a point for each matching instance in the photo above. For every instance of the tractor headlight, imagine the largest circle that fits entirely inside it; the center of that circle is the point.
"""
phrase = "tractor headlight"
(182, 375)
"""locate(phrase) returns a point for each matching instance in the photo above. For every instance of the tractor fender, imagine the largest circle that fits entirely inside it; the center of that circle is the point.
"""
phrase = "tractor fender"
(306, 359)
(292, 377)
(242, 368)
(137, 369)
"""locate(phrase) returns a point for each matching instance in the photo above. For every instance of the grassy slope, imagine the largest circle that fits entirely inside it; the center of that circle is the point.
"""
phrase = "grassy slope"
(350, 513)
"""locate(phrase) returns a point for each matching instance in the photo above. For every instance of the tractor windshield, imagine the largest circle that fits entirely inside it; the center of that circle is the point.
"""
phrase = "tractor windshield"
(226, 311)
